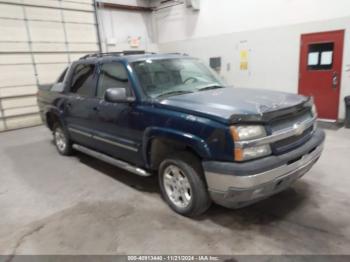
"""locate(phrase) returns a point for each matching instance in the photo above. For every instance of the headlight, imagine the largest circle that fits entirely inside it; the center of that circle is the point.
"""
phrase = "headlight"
(240, 133)
(314, 110)
(244, 133)
(313, 107)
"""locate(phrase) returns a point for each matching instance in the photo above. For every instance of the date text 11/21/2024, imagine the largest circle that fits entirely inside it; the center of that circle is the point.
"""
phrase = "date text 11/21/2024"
(172, 258)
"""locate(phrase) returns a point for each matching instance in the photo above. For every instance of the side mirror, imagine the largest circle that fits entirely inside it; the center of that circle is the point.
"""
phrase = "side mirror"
(117, 95)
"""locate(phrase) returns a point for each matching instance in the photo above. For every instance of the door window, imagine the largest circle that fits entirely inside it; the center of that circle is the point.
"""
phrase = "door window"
(320, 56)
(112, 75)
(83, 80)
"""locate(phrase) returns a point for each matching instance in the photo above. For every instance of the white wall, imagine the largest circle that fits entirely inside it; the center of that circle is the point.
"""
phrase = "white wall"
(270, 29)
(226, 16)
(116, 26)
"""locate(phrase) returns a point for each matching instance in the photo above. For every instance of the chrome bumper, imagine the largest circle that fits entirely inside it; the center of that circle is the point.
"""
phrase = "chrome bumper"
(236, 191)
(219, 182)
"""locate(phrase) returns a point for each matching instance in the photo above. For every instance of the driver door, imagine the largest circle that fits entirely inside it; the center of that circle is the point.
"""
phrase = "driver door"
(116, 123)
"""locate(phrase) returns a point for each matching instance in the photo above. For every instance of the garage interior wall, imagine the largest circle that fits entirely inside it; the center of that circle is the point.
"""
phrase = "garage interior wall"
(117, 26)
(38, 39)
(269, 29)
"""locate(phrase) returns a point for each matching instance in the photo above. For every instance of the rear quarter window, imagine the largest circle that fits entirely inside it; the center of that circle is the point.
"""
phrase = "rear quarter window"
(62, 76)
(83, 80)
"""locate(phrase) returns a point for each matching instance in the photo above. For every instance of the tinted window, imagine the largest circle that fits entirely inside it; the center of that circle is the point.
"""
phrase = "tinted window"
(320, 56)
(83, 80)
(62, 76)
(112, 75)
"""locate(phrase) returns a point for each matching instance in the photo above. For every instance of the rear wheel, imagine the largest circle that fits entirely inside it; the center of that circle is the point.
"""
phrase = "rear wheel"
(62, 142)
(182, 184)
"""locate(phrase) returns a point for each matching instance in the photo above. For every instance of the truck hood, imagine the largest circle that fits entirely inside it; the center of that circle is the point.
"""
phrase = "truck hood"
(236, 104)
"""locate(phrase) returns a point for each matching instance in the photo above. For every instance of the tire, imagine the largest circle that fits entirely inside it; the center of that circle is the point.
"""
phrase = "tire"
(182, 184)
(61, 140)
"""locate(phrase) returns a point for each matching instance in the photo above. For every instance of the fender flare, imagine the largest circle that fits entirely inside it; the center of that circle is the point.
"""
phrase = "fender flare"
(194, 142)
(54, 111)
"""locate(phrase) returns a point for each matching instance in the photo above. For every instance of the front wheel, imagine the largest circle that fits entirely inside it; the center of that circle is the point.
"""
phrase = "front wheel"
(182, 184)
(61, 140)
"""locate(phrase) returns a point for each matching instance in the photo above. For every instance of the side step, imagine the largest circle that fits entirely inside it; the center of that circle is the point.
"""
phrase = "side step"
(111, 160)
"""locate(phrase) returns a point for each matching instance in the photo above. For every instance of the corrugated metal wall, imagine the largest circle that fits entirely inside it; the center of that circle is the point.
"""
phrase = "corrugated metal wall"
(38, 39)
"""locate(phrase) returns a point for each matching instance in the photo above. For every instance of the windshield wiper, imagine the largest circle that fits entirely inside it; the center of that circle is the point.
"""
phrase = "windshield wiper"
(173, 93)
(210, 87)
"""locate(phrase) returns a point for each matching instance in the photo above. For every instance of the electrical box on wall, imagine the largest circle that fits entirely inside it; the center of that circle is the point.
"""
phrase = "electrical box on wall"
(215, 63)
(111, 41)
(195, 4)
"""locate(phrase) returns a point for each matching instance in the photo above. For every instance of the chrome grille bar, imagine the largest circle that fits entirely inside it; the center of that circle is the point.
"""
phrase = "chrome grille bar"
(296, 129)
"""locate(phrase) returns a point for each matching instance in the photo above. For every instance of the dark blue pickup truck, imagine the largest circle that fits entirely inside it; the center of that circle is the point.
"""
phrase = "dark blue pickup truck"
(169, 114)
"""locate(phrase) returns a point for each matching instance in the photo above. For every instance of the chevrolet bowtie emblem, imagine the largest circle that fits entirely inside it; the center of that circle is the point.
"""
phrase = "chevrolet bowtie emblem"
(299, 129)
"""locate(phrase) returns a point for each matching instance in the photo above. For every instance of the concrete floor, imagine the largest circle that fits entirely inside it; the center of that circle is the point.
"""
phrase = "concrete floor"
(51, 204)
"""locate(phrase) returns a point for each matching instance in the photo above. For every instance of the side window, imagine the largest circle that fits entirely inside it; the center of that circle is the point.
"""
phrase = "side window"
(62, 76)
(112, 75)
(82, 80)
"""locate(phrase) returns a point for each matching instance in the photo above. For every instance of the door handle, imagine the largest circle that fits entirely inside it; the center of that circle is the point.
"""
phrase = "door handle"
(69, 105)
(335, 80)
(96, 108)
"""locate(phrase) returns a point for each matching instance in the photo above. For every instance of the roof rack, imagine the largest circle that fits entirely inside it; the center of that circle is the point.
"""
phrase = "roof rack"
(122, 53)
(178, 53)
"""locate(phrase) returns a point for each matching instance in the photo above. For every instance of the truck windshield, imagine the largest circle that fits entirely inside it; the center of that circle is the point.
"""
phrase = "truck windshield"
(169, 77)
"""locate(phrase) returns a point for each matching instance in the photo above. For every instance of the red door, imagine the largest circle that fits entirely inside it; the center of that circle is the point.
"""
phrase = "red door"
(321, 57)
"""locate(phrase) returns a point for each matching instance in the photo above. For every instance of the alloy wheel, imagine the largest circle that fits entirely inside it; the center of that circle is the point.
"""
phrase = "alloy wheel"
(177, 186)
(60, 139)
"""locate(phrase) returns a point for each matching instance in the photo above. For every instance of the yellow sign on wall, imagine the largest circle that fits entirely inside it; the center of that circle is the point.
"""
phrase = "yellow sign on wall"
(243, 54)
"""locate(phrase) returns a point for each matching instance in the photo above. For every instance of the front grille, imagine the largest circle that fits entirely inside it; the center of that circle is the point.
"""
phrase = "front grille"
(290, 143)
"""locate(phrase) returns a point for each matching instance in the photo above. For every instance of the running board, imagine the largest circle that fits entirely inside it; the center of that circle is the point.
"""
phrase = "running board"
(111, 160)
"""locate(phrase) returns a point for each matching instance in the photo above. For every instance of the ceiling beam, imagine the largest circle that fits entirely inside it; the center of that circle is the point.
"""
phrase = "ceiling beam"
(124, 7)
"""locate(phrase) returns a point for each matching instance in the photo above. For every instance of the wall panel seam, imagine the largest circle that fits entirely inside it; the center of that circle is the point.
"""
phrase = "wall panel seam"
(49, 21)
(50, 7)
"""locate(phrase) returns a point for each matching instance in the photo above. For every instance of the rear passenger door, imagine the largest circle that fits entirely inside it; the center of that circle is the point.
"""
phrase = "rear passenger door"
(116, 123)
(80, 104)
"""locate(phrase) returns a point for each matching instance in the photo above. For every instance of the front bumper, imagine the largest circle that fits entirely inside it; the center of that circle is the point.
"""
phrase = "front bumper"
(236, 185)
